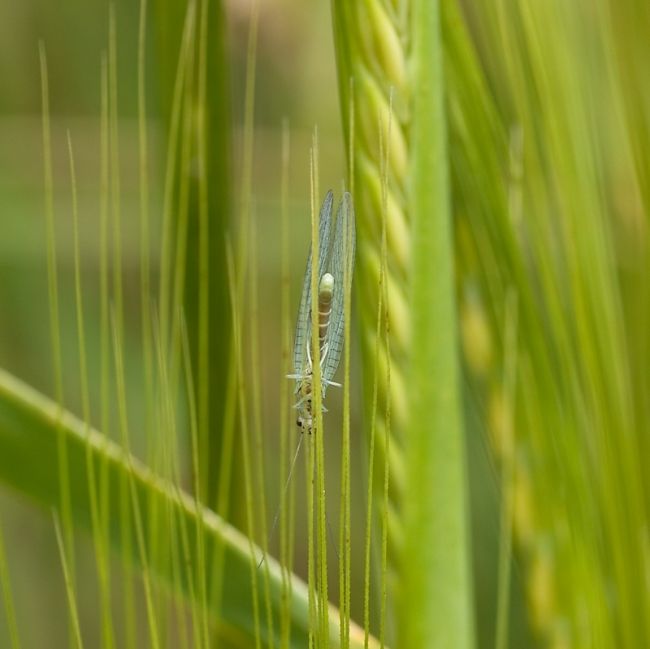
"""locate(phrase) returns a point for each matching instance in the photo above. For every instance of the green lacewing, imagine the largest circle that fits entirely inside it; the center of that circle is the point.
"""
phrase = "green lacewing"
(335, 264)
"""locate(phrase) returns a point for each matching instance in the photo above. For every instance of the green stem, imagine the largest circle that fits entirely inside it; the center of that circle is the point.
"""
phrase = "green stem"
(435, 603)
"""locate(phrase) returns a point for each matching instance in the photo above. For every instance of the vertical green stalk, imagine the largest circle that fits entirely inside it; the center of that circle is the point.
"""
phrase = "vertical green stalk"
(367, 576)
(204, 257)
(105, 406)
(258, 437)
(7, 596)
(311, 579)
(286, 527)
(55, 326)
(129, 485)
(101, 552)
(172, 167)
(345, 520)
(154, 446)
(117, 303)
(145, 279)
(507, 475)
(69, 588)
(383, 605)
(435, 563)
(245, 442)
(176, 532)
(104, 352)
(201, 563)
(180, 544)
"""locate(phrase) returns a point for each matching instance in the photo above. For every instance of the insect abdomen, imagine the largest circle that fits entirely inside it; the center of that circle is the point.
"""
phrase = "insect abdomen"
(325, 293)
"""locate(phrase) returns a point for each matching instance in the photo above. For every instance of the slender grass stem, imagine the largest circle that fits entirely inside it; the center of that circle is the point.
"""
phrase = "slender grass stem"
(203, 343)
(69, 587)
(258, 437)
(345, 538)
(101, 553)
(181, 565)
(55, 326)
(371, 465)
(385, 157)
(118, 301)
(166, 292)
(135, 504)
(286, 527)
(246, 457)
(7, 596)
(201, 576)
(311, 570)
(104, 350)
(507, 476)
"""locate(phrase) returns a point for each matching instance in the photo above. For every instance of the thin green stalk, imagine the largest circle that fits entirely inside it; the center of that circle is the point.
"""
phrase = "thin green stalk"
(246, 189)
(145, 279)
(258, 444)
(311, 570)
(286, 527)
(154, 448)
(371, 465)
(101, 555)
(344, 517)
(225, 475)
(176, 550)
(7, 596)
(55, 326)
(383, 607)
(507, 475)
(165, 294)
(117, 297)
(225, 481)
(204, 387)
(137, 516)
(69, 588)
(310, 461)
(115, 194)
(201, 569)
(183, 214)
(345, 538)
(179, 552)
(243, 415)
(108, 637)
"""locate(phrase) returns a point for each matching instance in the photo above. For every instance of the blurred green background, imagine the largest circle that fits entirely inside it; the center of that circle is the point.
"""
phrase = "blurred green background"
(296, 79)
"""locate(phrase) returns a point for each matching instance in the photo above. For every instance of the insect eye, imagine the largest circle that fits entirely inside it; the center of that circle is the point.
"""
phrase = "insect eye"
(299, 423)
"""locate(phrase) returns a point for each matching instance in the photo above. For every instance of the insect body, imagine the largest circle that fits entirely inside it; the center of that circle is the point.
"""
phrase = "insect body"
(335, 264)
